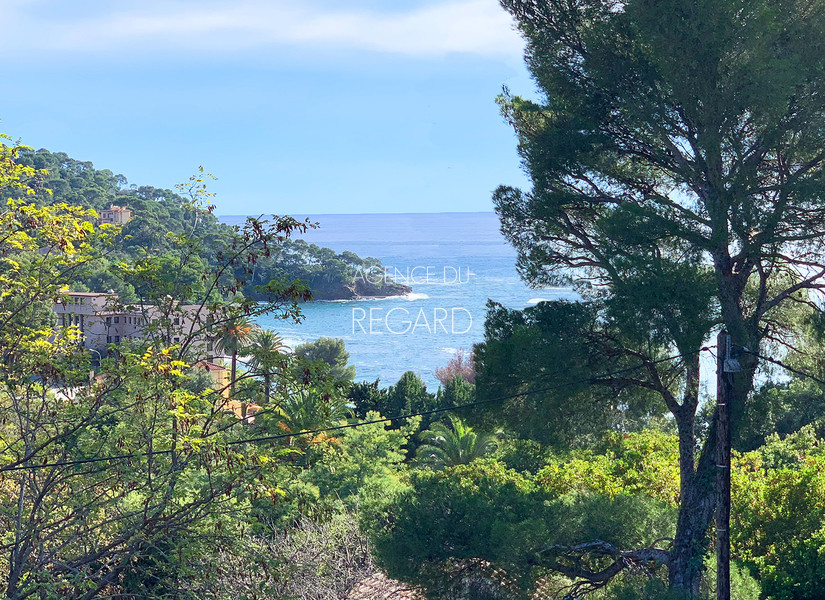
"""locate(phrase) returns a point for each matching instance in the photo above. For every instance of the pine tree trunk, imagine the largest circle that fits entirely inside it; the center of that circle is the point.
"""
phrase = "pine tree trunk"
(697, 498)
(696, 512)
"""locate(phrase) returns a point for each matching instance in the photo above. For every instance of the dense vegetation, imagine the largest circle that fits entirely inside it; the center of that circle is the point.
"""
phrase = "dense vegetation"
(160, 216)
(677, 157)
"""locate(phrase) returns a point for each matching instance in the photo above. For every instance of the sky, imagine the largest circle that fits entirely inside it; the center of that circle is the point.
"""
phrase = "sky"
(310, 107)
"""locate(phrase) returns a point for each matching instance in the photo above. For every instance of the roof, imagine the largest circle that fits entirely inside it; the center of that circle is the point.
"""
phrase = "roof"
(209, 366)
(380, 587)
(89, 294)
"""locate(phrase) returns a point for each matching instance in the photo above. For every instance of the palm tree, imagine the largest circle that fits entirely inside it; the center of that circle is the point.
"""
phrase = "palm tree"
(455, 445)
(231, 336)
(266, 351)
(310, 409)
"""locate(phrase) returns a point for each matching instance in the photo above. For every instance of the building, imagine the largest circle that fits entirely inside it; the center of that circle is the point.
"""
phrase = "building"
(103, 320)
(115, 215)
(221, 380)
(83, 310)
(218, 373)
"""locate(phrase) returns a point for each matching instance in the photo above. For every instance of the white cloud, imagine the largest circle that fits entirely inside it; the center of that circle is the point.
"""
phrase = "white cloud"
(477, 27)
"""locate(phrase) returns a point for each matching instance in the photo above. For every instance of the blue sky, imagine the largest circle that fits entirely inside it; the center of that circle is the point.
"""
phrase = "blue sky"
(309, 107)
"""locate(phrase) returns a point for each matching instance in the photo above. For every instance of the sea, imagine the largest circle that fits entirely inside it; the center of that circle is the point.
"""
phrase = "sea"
(454, 263)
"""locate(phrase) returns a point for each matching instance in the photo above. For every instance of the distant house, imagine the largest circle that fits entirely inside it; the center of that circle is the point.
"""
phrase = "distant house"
(115, 215)
(218, 373)
(220, 377)
(236, 407)
(103, 320)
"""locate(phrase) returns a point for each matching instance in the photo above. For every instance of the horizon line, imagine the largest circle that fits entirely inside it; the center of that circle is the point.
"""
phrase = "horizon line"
(446, 212)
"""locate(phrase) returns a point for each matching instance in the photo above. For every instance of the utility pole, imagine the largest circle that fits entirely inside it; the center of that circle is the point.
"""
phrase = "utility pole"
(725, 365)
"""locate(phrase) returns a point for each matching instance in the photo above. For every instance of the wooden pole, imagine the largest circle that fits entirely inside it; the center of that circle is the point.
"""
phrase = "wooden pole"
(723, 444)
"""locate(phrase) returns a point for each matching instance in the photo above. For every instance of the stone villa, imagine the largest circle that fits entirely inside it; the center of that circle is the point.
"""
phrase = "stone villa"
(103, 320)
(115, 215)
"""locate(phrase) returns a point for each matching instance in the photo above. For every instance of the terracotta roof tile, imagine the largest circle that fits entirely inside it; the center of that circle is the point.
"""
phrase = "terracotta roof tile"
(381, 587)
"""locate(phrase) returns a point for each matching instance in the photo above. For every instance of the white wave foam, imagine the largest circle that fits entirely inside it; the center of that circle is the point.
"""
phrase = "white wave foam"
(291, 343)
(410, 296)
(537, 300)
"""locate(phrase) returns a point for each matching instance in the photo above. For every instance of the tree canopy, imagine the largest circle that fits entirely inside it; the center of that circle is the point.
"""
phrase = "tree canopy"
(676, 156)
(161, 216)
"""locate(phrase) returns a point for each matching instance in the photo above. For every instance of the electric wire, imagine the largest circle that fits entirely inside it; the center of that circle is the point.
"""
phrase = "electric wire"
(785, 366)
(313, 432)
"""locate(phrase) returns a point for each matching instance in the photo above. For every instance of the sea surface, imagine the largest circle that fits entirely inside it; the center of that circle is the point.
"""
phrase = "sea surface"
(454, 263)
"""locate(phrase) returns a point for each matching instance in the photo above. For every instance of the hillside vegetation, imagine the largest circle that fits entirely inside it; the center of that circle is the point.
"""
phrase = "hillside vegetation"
(160, 216)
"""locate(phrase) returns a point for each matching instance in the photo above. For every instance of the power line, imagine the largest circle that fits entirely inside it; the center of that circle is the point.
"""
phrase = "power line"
(471, 404)
(272, 438)
(785, 366)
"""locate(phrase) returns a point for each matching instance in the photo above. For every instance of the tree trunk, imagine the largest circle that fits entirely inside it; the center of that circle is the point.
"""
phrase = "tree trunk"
(19, 549)
(233, 374)
(696, 512)
(723, 439)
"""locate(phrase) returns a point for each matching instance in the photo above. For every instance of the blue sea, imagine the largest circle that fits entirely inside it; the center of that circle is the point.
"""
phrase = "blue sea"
(454, 263)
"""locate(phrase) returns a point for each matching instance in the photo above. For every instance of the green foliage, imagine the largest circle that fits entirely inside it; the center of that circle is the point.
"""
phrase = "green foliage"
(367, 396)
(782, 405)
(41, 248)
(643, 589)
(643, 463)
(361, 457)
(268, 358)
(331, 276)
(676, 167)
(162, 218)
(781, 408)
(743, 586)
(332, 352)
(230, 337)
(778, 515)
(310, 407)
(456, 514)
(116, 485)
(456, 391)
(457, 444)
(549, 355)
(408, 396)
(523, 455)
(486, 512)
